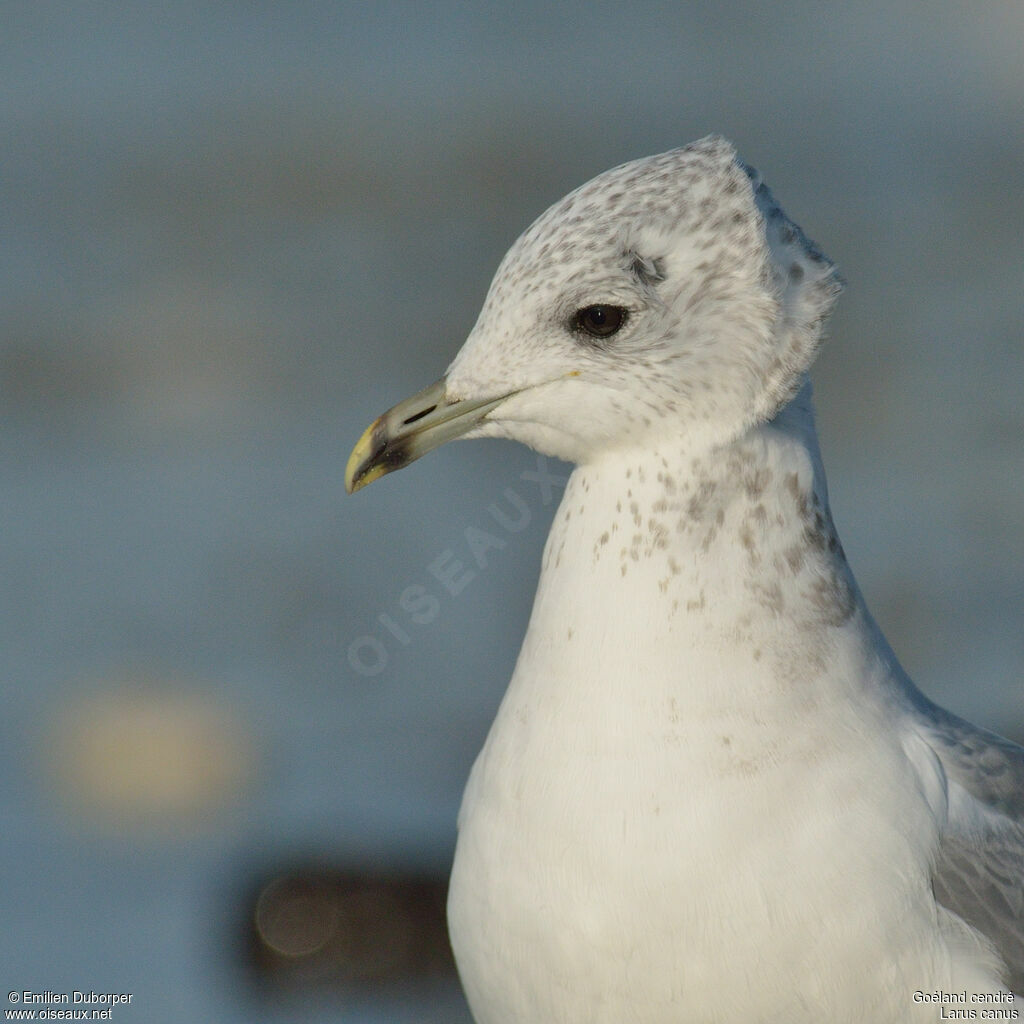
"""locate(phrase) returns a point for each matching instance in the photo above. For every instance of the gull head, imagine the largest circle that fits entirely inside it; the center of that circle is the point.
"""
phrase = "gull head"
(668, 296)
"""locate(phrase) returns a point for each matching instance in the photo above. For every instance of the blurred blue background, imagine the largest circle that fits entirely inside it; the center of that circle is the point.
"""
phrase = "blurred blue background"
(234, 233)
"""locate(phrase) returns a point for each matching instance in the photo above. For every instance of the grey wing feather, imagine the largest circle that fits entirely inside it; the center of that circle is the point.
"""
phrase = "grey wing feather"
(979, 872)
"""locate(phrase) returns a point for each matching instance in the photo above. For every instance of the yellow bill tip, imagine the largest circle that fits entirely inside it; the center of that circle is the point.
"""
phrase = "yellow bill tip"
(363, 466)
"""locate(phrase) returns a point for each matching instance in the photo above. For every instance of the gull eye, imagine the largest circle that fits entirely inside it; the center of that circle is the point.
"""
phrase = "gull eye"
(600, 321)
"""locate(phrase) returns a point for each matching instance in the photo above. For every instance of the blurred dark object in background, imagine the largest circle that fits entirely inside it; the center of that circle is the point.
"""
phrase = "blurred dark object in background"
(340, 928)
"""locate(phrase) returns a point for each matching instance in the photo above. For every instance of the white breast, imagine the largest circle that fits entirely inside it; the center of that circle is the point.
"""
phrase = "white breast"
(690, 806)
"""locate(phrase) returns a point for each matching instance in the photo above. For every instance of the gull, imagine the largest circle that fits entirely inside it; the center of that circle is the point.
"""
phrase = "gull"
(710, 792)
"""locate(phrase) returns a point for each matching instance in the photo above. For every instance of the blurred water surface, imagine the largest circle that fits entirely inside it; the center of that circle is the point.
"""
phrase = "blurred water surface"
(234, 233)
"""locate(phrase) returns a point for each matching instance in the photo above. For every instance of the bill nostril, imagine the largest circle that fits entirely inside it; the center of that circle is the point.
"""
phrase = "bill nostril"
(419, 415)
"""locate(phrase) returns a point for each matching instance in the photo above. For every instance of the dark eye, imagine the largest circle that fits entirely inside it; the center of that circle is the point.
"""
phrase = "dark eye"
(600, 321)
